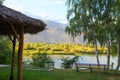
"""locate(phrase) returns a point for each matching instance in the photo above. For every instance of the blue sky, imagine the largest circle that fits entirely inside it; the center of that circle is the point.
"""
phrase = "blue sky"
(48, 9)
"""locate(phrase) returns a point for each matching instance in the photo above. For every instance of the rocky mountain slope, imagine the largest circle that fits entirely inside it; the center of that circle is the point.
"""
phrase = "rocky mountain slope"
(54, 33)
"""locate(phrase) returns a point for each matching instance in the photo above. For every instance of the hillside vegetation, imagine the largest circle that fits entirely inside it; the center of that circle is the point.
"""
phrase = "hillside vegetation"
(59, 49)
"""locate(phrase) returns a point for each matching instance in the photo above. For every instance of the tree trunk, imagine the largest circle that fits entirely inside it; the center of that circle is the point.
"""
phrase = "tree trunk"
(108, 54)
(13, 56)
(20, 52)
(96, 52)
(118, 54)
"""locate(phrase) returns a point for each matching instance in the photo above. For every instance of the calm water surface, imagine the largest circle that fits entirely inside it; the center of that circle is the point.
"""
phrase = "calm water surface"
(84, 59)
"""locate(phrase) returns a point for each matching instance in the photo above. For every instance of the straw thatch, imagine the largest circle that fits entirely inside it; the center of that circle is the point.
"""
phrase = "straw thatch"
(9, 18)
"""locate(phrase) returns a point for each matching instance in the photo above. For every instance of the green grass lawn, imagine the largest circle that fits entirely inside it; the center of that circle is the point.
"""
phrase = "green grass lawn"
(61, 75)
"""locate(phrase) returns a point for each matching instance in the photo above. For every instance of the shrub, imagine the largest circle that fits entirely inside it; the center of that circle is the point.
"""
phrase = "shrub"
(5, 51)
(38, 60)
(68, 62)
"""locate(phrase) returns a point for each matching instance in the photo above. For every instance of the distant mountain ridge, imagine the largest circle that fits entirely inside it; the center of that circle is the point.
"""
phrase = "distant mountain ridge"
(54, 33)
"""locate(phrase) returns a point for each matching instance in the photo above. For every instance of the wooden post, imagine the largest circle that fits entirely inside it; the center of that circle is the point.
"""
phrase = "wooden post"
(77, 69)
(13, 56)
(90, 66)
(104, 67)
(20, 52)
(53, 65)
(14, 44)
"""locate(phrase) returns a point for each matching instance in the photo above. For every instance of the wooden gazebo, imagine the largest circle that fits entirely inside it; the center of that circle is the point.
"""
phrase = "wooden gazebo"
(15, 24)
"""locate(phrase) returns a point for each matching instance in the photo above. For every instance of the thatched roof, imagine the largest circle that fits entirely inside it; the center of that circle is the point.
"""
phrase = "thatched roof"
(9, 17)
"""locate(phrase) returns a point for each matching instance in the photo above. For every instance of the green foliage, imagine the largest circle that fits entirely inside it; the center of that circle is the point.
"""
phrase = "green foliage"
(68, 62)
(94, 18)
(1, 1)
(114, 50)
(38, 60)
(71, 31)
(5, 51)
(98, 20)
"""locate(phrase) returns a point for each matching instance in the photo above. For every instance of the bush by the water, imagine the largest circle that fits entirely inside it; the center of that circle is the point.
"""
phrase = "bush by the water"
(40, 60)
(68, 62)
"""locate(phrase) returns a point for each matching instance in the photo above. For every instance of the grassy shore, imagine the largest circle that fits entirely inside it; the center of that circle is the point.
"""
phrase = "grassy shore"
(61, 75)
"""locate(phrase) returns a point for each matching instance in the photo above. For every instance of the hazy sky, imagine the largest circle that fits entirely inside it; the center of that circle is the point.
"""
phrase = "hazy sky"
(48, 9)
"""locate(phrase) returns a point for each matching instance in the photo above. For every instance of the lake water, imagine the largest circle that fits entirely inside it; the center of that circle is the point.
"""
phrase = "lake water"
(84, 59)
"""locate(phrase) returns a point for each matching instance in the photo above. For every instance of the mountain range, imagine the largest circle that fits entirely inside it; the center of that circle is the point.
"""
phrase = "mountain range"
(54, 33)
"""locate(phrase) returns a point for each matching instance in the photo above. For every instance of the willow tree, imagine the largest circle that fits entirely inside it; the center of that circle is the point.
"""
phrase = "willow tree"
(117, 31)
(110, 21)
(107, 24)
(96, 19)
(84, 15)
(117, 38)
(71, 31)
